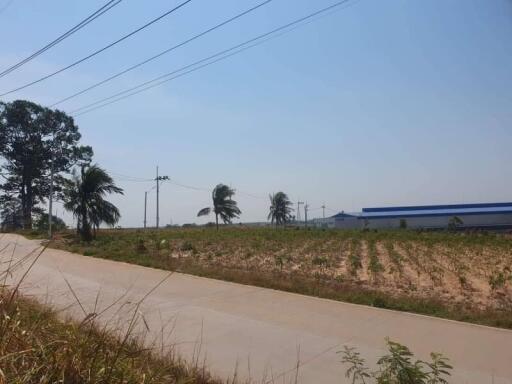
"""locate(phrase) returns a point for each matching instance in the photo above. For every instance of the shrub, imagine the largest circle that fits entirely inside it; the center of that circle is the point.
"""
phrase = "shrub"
(497, 280)
(320, 261)
(397, 367)
(141, 246)
(187, 246)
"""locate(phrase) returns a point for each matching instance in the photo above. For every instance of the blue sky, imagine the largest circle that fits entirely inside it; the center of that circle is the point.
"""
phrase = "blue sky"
(380, 103)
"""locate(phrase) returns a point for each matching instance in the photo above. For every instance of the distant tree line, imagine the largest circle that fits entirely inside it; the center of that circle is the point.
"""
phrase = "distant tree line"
(37, 142)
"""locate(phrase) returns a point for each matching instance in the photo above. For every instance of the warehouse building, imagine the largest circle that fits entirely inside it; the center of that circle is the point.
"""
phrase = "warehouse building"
(492, 216)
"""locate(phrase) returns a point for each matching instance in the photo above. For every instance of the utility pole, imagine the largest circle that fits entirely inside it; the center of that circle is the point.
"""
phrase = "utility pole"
(50, 203)
(145, 207)
(158, 179)
(306, 207)
(323, 211)
(299, 203)
(157, 199)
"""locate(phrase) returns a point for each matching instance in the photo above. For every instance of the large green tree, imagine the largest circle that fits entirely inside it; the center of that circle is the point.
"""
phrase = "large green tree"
(33, 141)
(10, 211)
(42, 223)
(223, 205)
(84, 196)
(281, 209)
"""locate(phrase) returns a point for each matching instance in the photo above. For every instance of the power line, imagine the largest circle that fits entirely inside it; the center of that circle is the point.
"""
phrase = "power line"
(133, 181)
(105, 8)
(251, 195)
(130, 178)
(243, 46)
(99, 50)
(197, 188)
(174, 182)
(5, 6)
(78, 112)
(162, 53)
(219, 56)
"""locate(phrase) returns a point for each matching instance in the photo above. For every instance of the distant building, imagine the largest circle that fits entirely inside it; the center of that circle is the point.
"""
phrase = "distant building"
(492, 216)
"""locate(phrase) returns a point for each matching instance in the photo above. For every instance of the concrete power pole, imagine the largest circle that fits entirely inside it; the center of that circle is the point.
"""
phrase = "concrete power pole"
(157, 199)
(158, 179)
(323, 211)
(299, 203)
(306, 207)
(50, 203)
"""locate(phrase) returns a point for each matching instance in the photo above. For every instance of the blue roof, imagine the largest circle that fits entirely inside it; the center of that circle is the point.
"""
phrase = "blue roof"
(436, 212)
(439, 207)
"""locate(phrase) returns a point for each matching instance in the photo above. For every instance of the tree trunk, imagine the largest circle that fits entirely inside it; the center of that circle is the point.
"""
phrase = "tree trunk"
(85, 231)
(27, 202)
(217, 221)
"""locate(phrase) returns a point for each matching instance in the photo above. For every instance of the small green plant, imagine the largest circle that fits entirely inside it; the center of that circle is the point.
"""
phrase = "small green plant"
(187, 246)
(497, 280)
(89, 252)
(395, 257)
(141, 246)
(375, 266)
(355, 256)
(320, 261)
(279, 260)
(357, 369)
(396, 367)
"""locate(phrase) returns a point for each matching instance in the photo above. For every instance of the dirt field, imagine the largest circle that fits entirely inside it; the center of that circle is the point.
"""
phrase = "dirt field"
(458, 269)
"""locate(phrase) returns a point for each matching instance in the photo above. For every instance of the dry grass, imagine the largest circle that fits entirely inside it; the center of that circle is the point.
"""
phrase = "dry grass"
(454, 275)
(38, 346)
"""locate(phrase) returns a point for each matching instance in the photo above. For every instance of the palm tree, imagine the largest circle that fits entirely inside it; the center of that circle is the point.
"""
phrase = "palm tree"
(84, 197)
(280, 208)
(223, 205)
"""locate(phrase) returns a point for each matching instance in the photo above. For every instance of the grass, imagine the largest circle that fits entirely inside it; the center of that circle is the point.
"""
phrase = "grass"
(328, 264)
(37, 347)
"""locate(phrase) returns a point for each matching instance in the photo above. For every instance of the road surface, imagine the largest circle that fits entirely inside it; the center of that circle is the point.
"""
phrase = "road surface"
(261, 333)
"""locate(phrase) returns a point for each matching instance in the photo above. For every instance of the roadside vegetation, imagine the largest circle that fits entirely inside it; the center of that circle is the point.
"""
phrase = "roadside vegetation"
(37, 347)
(397, 366)
(460, 276)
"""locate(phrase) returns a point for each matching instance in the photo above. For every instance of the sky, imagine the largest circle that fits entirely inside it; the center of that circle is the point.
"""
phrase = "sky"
(380, 103)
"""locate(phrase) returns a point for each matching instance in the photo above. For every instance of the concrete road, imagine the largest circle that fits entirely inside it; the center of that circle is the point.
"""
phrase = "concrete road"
(258, 332)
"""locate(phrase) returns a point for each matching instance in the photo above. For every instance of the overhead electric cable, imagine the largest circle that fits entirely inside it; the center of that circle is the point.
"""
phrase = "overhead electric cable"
(99, 50)
(172, 181)
(105, 8)
(162, 53)
(6, 5)
(207, 61)
(134, 178)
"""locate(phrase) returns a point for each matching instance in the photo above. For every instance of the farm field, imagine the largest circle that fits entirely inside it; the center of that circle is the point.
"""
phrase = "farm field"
(461, 276)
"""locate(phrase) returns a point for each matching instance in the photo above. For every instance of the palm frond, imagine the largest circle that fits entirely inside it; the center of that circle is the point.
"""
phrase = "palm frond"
(85, 199)
(204, 212)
